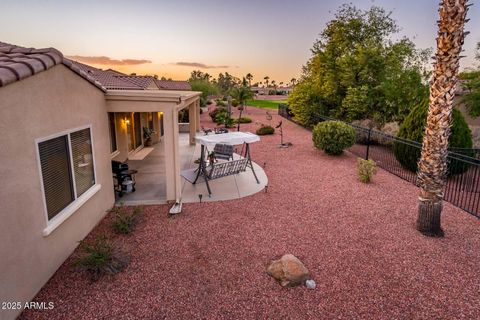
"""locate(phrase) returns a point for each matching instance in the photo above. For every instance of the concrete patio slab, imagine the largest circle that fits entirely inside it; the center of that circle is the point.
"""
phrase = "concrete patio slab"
(151, 187)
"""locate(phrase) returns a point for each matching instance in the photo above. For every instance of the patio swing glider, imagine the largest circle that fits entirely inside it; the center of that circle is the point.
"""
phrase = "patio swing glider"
(224, 150)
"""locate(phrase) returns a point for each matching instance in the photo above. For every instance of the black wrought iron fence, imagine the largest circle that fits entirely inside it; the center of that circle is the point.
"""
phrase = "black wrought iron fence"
(399, 157)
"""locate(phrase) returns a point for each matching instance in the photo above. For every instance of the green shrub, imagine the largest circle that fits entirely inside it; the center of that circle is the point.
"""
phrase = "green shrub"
(203, 103)
(243, 120)
(366, 169)
(100, 258)
(223, 118)
(209, 102)
(183, 116)
(264, 130)
(235, 103)
(413, 128)
(214, 112)
(221, 103)
(125, 221)
(333, 136)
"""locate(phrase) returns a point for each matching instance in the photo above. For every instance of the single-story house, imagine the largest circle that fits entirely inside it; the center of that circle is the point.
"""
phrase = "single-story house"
(63, 123)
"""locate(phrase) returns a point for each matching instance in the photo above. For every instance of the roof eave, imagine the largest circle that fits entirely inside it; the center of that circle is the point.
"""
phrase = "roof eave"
(151, 95)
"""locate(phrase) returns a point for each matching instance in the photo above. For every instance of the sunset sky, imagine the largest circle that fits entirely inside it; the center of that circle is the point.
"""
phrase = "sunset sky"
(172, 38)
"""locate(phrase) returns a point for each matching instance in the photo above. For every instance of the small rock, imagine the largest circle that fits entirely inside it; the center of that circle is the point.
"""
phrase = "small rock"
(310, 284)
(289, 271)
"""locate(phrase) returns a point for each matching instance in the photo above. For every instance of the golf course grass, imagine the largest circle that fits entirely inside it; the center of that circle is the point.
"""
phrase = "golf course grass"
(270, 104)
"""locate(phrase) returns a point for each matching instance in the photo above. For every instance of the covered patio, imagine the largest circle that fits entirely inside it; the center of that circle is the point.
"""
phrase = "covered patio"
(151, 186)
(159, 171)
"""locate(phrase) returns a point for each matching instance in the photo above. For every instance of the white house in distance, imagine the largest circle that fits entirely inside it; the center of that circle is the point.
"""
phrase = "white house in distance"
(62, 124)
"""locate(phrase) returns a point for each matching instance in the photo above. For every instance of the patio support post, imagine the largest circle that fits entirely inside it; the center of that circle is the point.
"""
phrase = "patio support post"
(197, 112)
(172, 163)
(192, 116)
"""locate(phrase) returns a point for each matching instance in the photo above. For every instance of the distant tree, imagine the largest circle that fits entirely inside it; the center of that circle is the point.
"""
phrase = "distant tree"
(293, 81)
(199, 75)
(242, 94)
(471, 86)
(358, 71)
(249, 77)
(163, 78)
(266, 78)
(227, 82)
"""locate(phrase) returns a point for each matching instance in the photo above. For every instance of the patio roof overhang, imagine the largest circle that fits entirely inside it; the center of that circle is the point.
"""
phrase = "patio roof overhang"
(149, 100)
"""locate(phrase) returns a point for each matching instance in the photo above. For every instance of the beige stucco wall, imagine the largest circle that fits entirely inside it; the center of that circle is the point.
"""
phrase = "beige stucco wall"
(45, 104)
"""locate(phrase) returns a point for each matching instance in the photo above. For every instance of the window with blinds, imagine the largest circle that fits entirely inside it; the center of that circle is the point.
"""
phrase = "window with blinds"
(56, 174)
(82, 160)
(67, 169)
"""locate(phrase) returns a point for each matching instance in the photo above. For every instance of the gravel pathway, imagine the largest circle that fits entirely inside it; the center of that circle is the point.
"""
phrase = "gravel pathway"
(358, 241)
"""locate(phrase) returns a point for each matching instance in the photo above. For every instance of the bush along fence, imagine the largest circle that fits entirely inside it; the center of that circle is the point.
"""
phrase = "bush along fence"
(400, 156)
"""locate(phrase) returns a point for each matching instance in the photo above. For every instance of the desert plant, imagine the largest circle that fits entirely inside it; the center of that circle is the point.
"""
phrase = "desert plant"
(214, 112)
(126, 221)
(223, 118)
(264, 130)
(235, 103)
(366, 169)
(221, 103)
(100, 257)
(413, 128)
(333, 136)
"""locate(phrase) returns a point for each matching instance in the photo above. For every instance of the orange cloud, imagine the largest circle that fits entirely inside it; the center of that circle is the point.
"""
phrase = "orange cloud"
(199, 65)
(108, 61)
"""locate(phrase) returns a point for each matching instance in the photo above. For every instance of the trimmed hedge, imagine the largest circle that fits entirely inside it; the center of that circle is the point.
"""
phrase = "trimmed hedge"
(243, 120)
(413, 128)
(264, 130)
(333, 136)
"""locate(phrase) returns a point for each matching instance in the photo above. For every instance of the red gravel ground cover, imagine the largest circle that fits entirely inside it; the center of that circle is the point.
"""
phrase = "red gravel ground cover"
(358, 241)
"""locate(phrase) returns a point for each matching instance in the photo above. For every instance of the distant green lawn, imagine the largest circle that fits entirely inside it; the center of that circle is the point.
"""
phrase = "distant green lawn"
(270, 104)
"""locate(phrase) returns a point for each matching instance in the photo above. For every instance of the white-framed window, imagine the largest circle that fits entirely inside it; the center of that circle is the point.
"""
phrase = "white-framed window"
(67, 171)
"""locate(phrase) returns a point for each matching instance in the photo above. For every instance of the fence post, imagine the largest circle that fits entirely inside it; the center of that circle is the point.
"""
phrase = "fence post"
(368, 143)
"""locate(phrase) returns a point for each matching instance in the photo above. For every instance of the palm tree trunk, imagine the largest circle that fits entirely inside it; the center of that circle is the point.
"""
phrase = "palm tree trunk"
(432, 167)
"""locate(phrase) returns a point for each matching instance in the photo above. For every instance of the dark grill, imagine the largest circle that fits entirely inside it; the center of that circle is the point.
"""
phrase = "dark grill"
(123, 178)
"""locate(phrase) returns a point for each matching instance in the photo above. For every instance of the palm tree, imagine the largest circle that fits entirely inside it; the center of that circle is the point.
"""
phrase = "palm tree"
(432, 167)
(293, 81)
(241, 94)
(249, 77)
(266, 78)
(274, 84)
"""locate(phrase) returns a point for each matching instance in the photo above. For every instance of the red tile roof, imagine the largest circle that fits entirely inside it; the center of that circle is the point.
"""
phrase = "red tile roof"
(173, 85)
(142, 82)
(17, 63)
(107, 79)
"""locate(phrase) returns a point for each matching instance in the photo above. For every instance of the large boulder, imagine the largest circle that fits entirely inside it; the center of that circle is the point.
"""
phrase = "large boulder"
(361, 135)
(289, 271)
(389, 128)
